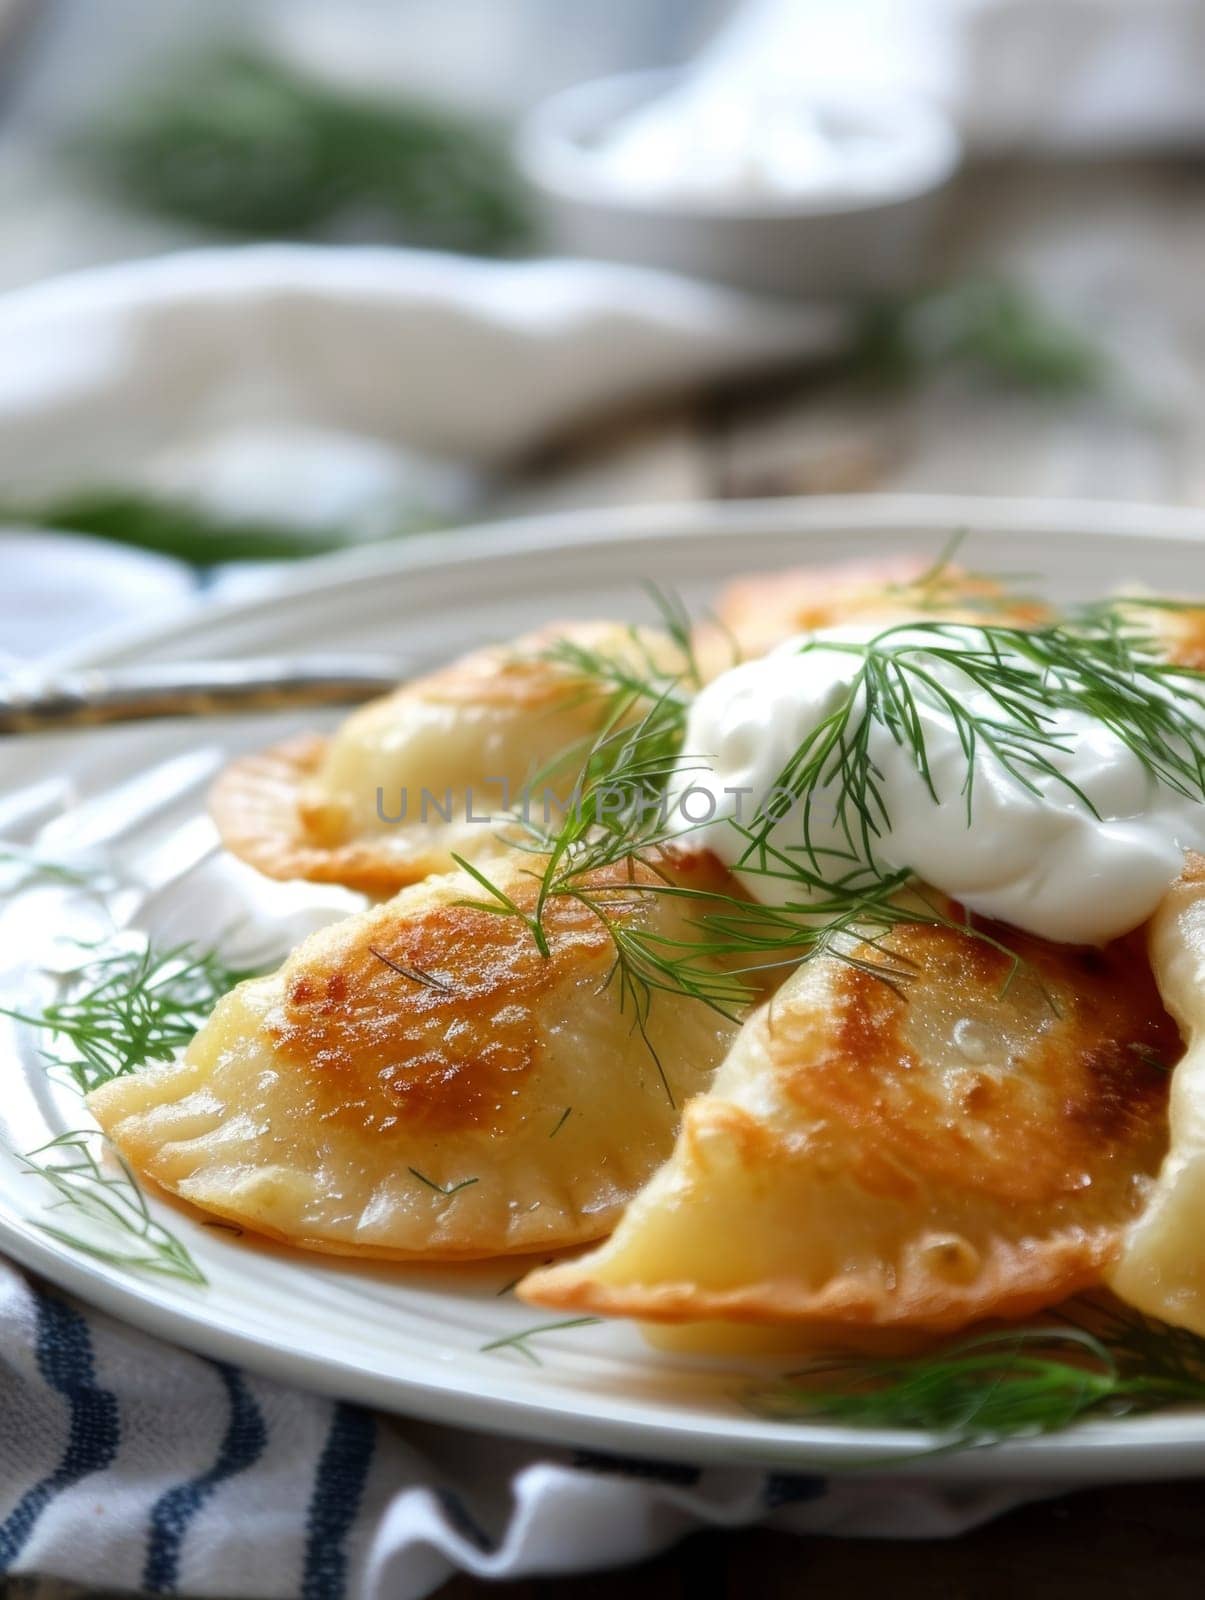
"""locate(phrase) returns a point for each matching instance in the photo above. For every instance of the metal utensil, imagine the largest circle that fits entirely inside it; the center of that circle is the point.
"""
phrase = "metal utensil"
(31, 702)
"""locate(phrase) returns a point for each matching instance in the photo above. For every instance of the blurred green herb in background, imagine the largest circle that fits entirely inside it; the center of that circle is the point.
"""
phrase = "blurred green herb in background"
(992, 327)
(189, 531)
(239, 143)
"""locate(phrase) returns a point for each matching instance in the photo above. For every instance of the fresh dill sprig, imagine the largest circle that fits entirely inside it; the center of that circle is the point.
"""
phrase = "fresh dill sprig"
(678, 624)
(942, 586)
(1099, 667)
(615, 816)
(119, 1227)
(446, 1190)
(627, 681)
(185, 528)
(613, 812)
(1004, 1383)
(126, 1010)
(520, 1342)
(991, 328)
(236, 140)
(726, 946)
(419, 975)
(27, 868)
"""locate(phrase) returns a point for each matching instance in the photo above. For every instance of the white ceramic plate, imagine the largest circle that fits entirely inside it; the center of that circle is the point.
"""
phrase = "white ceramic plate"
(410, 1339)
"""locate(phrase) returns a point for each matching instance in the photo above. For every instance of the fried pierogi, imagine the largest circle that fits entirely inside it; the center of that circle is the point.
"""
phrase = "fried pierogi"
(409, 780)
(971, 1144)
(1162, 1266)
(764, 609)
(418, 1080)
(1177, 628)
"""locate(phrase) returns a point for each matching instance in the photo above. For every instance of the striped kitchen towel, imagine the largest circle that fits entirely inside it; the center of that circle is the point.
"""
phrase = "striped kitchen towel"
(127, 1464)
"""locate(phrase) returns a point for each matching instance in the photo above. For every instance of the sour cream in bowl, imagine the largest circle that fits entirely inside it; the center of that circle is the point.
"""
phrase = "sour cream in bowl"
(794, 192)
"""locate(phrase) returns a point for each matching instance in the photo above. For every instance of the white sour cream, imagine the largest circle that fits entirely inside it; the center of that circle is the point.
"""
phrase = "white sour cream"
(1042, 862)
(704, 142)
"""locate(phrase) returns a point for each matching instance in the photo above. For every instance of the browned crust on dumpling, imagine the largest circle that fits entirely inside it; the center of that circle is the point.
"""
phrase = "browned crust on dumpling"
(1181, 633)
(333, 1105)
(762, 609)
(1007, 1287)
(1095, 1085)
(462, 1032)
(934, 1206)
(434, 1022)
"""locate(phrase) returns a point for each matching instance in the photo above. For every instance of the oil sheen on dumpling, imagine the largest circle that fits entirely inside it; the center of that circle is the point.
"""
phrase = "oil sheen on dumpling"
(1162, 1265)
(427, 1046)
(309, 808)
(869, 1159)
(764, 609)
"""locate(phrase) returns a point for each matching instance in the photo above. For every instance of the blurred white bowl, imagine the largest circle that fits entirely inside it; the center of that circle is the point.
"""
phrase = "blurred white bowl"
(869, 239)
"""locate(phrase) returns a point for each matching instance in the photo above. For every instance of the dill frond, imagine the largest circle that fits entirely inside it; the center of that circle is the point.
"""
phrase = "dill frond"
(129, 1009)
(1004, 1383)
(446, 1190)
(22, 869)
(1098, 666)
(119, 1227)
(520, 1342)
(237, 140)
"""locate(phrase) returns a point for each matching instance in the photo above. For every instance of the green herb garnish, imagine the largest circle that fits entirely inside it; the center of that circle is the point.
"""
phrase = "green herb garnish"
(998, 1385)
(113, 1206)
(189, 531)
(241, 143)
(442, 1189)
(419, 975)
(29, 868)
(129, 1009)
(519, 1342)
(615, 817)
(1098, 667)
(987, 327)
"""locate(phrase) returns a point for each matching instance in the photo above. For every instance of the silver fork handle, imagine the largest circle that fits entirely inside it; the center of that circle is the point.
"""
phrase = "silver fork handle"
(99, 696)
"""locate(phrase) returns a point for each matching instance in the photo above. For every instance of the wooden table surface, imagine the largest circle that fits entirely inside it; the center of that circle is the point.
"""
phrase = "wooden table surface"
(1115, 250)
(1119, 251)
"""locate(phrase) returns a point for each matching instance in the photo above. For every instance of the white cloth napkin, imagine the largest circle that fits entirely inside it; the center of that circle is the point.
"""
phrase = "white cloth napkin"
(126, 1464)
(224, 366)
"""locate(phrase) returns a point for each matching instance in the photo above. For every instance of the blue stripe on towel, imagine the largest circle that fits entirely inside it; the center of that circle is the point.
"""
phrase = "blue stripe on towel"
(65, 1360)
(242, 1445)
(338, 1487)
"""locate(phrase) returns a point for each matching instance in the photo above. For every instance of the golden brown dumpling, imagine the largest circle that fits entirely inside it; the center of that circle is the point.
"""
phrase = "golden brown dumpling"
(1162, 1265)
(1178, 629)
(309, 808)
(761, 610)
(426, 1046)
(869, 1159)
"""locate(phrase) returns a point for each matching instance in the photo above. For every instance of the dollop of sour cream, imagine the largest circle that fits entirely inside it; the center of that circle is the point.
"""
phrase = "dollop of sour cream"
(1039, 859)
(702, 142)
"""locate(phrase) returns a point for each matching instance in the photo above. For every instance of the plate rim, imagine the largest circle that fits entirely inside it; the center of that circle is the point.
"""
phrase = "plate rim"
(670, 519)
(1172, 1443)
